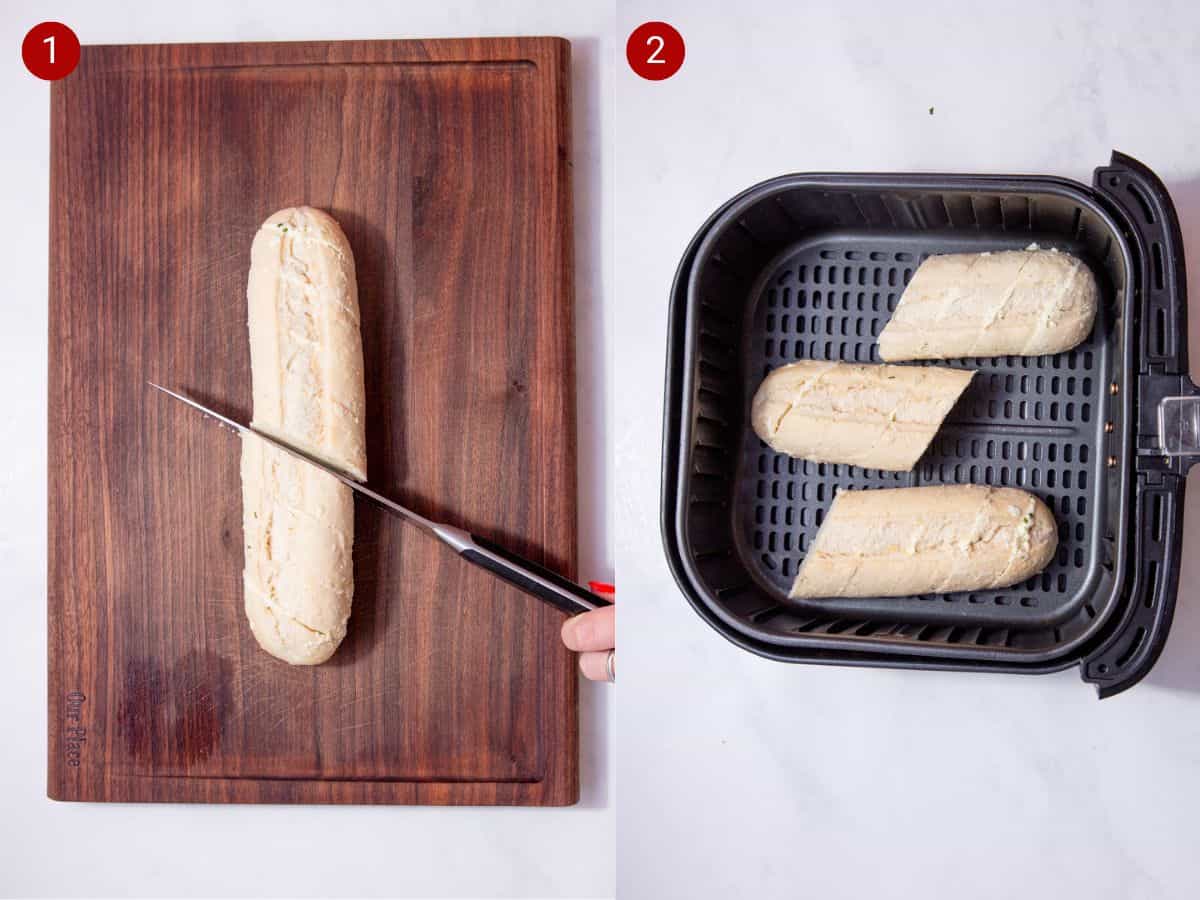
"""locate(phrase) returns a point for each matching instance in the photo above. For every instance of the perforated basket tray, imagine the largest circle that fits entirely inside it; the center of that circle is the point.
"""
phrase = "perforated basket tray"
(811, 267)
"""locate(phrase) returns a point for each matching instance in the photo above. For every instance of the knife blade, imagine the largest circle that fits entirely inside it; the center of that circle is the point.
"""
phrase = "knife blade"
(530, 577)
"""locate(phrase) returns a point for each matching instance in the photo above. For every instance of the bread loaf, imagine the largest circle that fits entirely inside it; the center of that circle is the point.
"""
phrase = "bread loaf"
(927, 540)
(307, 372)
(880, 417)
(1011, 302)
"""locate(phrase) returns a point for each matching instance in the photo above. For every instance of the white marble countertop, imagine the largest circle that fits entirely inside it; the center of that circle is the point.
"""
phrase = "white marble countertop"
(744, 777)
(92, 850)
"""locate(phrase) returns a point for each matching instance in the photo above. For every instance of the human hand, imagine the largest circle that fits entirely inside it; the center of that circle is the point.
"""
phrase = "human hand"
(593, 635)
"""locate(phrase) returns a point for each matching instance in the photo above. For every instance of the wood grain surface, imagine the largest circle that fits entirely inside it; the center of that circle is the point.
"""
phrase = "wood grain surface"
(446, 163)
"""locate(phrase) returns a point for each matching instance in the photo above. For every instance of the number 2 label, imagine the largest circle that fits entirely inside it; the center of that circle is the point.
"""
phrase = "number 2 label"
(655, 51)
(653, 59)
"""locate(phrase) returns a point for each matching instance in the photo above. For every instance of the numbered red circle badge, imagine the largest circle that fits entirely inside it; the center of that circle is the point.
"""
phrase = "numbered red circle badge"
(50, 51)
(655, 50)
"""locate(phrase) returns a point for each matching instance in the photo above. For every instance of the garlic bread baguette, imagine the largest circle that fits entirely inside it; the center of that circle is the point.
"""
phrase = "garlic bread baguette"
(927, 540)
(1011, 302)
(879, 417)
(307, 370)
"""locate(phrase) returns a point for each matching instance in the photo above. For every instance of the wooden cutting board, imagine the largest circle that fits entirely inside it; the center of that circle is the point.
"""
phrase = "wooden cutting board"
(447, 164)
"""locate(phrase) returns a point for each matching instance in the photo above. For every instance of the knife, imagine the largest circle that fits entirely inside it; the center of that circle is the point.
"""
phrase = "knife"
(530, 577)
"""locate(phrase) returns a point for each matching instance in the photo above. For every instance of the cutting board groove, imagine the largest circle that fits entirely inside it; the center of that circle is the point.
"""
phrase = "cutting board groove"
(446, 164)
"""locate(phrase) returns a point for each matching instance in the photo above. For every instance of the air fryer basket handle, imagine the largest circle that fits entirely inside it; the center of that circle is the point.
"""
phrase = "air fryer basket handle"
(1162, 405)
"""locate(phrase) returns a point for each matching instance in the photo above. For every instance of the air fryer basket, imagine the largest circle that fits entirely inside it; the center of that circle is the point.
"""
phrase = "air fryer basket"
(811, 267)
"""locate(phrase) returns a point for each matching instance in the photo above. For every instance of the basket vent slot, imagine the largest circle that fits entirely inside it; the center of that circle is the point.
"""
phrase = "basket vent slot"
(1147, 209)
(1160, 277)
(1135, 645)
(1151, 583)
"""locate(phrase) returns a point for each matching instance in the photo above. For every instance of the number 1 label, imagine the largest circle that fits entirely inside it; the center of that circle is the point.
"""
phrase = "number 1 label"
(50, 51)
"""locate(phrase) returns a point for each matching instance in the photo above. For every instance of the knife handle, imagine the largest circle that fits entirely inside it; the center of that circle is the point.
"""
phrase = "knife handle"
(532, 578)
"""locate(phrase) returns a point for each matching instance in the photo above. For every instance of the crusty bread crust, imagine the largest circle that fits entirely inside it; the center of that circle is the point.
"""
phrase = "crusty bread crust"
(927, 540)
(878, 417)
(1011, 302)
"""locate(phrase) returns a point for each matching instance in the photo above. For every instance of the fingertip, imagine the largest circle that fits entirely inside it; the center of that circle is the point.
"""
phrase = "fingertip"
(594, 665)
